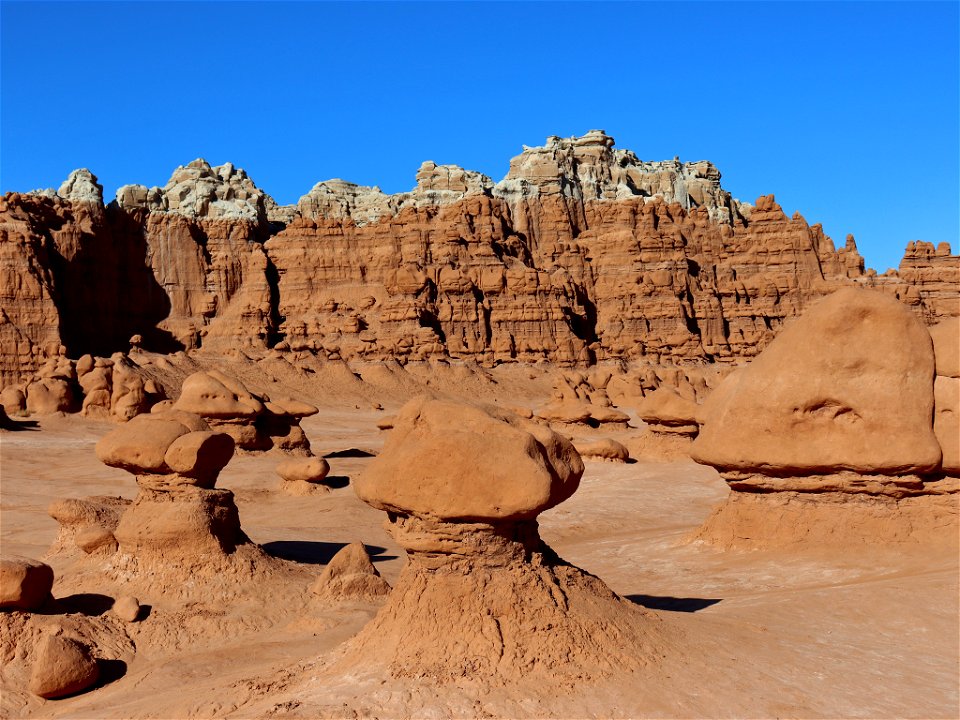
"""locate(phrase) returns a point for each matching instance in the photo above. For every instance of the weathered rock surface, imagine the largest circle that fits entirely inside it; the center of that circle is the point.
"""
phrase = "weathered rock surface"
(481, 596)
(603, 449)
(255, 423)
(24, 583)
(831, 433)
(351, 575)
(847, 386)
(447, 461)
(583, 252)
(62, 666)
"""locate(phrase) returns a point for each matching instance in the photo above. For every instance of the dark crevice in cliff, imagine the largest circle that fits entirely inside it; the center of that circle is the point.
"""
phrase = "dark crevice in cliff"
(275, 319)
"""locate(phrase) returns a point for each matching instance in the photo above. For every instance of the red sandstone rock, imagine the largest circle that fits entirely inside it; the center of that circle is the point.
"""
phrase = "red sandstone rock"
(446, 460)
(849, 385)
(583, 252)
(24, 583)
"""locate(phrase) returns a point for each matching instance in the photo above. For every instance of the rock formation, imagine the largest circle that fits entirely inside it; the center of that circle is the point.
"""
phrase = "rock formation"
(350, 575)
(255, 423)
(666, 413)
(581, 398)
(946, 393)
(582, 252)
(179, 525)
(602, 449)
(481, 597)
(24, 583)
(303, 476)
(829, 433)
(63, 666)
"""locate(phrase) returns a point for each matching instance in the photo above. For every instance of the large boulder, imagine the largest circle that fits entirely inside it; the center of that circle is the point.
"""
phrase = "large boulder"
(62, 666)
(25, 584)
(847, 386)
(452, 461)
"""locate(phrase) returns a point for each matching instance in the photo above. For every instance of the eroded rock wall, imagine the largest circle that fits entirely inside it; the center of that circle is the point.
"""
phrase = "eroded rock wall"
(582, 253)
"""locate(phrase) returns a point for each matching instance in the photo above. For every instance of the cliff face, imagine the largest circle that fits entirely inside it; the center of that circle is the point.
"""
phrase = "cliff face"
(582, 253)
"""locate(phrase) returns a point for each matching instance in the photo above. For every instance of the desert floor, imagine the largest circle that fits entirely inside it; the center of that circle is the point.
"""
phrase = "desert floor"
(808, 633)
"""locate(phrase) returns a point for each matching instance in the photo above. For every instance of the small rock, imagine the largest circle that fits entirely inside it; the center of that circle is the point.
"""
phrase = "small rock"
(127, 608)
(312, 470)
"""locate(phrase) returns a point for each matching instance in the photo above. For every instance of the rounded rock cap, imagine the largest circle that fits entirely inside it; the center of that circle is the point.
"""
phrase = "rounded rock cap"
(846, 386)
(453, 461)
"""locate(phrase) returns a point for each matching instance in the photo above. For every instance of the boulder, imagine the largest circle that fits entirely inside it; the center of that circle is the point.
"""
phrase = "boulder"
(847, 386)
(62, 666)
(25, 584)
(448, 461)
(350, 575)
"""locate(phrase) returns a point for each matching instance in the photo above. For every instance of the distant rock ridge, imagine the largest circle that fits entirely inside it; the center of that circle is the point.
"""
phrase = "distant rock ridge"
(580, 168)
(581, 253)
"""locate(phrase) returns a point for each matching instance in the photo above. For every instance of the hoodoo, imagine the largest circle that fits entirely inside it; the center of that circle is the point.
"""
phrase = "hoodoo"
(829, 433)
(482, 596)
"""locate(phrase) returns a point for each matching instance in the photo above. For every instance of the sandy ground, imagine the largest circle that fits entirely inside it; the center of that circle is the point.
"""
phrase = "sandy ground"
(806, 634)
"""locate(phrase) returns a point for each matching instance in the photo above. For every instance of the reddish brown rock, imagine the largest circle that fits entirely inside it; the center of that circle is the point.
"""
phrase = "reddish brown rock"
(24, 583)
(848, 386)
(62, 666)
(583, 252)
(481, 596)
(446, 460)
(350, 575)
(829, 435)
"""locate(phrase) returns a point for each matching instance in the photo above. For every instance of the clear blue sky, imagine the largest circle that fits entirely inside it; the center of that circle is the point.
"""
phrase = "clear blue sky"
(848, 112)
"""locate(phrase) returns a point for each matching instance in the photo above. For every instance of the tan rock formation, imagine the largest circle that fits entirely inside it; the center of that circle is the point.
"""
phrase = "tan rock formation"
(24, 583)
(468, 522)
(665, 412)
(846, 387)
(303, 476)
(838, 409)
(603, 449)
(63, 666)
(350, 575)
(255, 423)
(179, 525)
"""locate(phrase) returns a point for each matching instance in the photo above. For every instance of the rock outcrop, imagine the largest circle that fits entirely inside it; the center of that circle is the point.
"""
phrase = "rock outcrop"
(583, 252)
(180, 526)
(350, 575)
(256, 423)
(838, 412)
(462, 487)
(24, 583)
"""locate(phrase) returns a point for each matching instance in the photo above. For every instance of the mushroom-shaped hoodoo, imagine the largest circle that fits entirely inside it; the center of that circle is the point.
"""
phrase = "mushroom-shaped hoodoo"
(481, 595)
(829, 432)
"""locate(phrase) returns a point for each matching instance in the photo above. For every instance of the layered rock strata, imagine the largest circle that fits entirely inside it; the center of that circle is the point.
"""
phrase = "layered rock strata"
(582, 252)
(482, 598)
(838, 412)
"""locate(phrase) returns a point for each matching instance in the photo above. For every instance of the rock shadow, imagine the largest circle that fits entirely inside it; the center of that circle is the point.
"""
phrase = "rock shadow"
(350, 453)
(8, 423)
(310, 552)
(90, 604)
(672, 604)
(336, 481)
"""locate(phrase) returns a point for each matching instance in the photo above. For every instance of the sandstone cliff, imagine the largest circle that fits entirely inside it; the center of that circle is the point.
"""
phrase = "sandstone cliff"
(583, 252)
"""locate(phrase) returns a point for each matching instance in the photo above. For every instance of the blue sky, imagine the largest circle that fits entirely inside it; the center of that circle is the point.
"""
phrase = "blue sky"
(848, 112)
